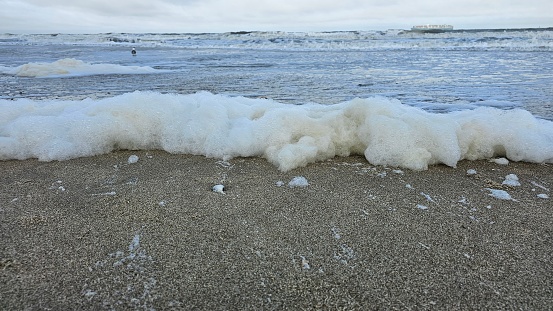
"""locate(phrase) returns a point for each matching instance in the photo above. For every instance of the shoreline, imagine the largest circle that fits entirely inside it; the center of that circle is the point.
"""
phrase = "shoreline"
(101, 233)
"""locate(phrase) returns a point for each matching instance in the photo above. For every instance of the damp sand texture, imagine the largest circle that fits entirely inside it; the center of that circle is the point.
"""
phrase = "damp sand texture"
(133, 230)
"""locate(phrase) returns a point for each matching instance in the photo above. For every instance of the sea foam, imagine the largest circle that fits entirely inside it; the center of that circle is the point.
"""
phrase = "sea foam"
(385, 131)
(69, 67)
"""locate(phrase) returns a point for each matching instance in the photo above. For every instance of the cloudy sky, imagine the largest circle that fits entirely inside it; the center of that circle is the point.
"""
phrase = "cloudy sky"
(94, 16)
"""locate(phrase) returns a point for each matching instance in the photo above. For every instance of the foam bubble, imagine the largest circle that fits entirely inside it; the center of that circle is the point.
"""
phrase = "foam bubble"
(499, 194)
(298, 181)
(219, 189)
(511, 180)
(132, 159)
(500, 161)
(289, 136)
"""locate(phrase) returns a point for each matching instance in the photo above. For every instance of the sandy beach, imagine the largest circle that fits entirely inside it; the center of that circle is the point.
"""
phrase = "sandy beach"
(100, 233)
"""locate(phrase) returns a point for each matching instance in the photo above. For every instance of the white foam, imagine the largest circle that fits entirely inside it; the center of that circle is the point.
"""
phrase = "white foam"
(500, 194)
(428, 197)
(511, 180)
(539, 186)
(305, 263)
(132, 159)
(500, 161)
(219, 189)
(289, 136)
(530, 40)
(298, 181)
(134, 244)
(69, 67)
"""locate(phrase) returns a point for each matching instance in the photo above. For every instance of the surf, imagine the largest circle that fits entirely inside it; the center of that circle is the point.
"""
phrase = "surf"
(384, 130)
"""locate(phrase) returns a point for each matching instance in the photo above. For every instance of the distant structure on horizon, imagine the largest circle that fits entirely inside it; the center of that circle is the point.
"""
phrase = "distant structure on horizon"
(432, 28)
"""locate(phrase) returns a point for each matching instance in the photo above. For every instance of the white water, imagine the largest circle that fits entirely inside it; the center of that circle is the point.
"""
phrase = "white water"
(69, 67)
(385, 131)
(495, 39)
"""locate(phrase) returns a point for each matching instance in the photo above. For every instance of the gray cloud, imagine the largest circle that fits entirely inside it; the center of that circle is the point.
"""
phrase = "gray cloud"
(222, 15)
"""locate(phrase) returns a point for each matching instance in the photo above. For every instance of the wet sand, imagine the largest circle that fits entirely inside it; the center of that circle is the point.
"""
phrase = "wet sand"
(99, 233)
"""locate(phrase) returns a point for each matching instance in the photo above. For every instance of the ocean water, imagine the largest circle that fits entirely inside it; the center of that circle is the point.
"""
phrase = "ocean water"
(398, 98)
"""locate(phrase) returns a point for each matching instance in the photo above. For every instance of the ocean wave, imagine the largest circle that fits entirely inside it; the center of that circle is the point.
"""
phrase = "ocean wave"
(392, 39)
(384, 130)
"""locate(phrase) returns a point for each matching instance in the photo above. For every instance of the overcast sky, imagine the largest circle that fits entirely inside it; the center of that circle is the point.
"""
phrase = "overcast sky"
(96, 16)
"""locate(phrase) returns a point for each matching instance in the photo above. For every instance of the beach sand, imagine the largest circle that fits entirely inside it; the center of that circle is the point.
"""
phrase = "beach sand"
(101, 233)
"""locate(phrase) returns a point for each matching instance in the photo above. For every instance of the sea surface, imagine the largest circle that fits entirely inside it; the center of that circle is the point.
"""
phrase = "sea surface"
(398, 97)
